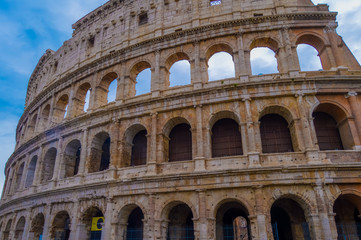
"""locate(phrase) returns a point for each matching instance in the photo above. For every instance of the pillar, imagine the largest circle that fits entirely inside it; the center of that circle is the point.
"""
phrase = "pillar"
(152, 160)
(27, 226)
(323, 212)
(244, 62)
(356, 113)
(107, 227)
(253, 155)
(58, 160)
(83, 153)
(38, 168)
(200, 164)
(74, 221)
(260, 216)
(196, 73)
(47, 223)
(154, 88)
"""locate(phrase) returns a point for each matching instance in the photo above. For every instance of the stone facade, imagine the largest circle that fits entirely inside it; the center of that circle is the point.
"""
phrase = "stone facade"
(67, 170)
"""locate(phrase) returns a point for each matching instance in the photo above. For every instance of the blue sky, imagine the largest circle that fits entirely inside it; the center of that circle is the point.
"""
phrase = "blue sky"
(29, 27)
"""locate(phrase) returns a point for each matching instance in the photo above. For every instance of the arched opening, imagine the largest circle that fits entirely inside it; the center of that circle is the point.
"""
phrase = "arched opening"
(232, 222)
(275, 135)
(112, 91)
(139, 149)
(180, 226)
(19, 229)
(180, 73)
(220, 66)
(37, 227)
(180, 143)
(6, 231)
(143, 82)
(31, 172)
(61, 226)
(348, 220)
(328, 136)
(93, 220)
(308, 58)
(48, 165)
(60, 109)
(87, 99)
(226, 138)
(71, 159)
(332, 113)
(19, 176)
(135, 225)
(263, 61)
(288, 220)
(100, 153)
(32, 124)
(81, 100)
(45, 116)
(316, 43)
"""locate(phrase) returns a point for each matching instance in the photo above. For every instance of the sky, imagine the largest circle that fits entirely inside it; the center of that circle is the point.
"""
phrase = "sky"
(29, 27)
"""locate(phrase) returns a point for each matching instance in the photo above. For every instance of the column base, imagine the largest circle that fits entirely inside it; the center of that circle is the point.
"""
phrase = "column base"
(200, 164)
(253, 160)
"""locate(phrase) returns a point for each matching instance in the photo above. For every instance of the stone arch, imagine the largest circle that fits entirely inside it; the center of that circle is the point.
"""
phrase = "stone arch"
(31, 171)
(79, 100)
(61, 108)
(45, 114)
(169, 204)
(100, 153)
(102, 90)
(173, 59)
(213, 56)
(6, 232)
(237, 199)
(172, 122)
(269, 43)
(37, 226)
(71, 159)
(126, 212)
(341, 117)
(32, 125)
(87, 218)
(133, 74)
(218, 47)
(319, 43)
(19, 176)
(135, 130)
(19, 229)
(60, 228)
(221, 115)
(48, 165)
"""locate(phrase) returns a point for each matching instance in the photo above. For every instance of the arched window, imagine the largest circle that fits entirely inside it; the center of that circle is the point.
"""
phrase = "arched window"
(31, 172)
(48, 165)
(263, 61)
(71, 159)
(81, 100)
(19, 176)
(135, 225)
(112, 91)
(143, 82)
(275, 135)
(61, 107)
(87, 99)
(139, 149)
(61, 226)
(19, 229)
(180, 224)
(220, 66)
(100, 153)
(37, 226)
(45, 116)
(226, 138)
(107, 89)
(180, 143)
(308, 58)
(32, 124)
(180, 73)
(93, 219)
(328, 136)
(6, 232)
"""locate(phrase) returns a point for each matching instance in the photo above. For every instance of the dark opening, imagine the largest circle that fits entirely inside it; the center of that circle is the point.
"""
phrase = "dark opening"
(226, 138)
(61, 226)
(139, 149)
(235, 225)
(135, 225)
(77, 161)
(348, 221)
(105, 158)
(328, 136)
(281, 224)
(143, 18)
(180, 143)
(180, 225)
(275, 135)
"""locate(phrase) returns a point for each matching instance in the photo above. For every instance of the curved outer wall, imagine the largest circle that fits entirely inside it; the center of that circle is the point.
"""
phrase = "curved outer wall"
(119, 40)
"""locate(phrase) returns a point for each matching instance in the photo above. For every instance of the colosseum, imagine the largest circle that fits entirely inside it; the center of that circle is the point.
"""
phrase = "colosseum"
(250, 156)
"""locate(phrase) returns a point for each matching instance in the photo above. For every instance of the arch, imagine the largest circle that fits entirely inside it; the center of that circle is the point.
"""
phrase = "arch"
(171, 123)
(37, 226)
(61, 108)
(264, 58)
(140, 86)
(223, 114)
(19, 176)
(288, 219)
(103, 92)
(19, 229)
(31, 171)
(332, 118)
(45, 114)
(220, 62)
(60, 228)
(48, 165)
(308, 58)
(131, 219)
(216, 48)
(180, 143)
(7, 230)
(232, 217)
(80, 104)
(92, 214)
(71, 159)
(170, 204)
(32, 125)
(135, 145)
(100, 153)
(267, 42)
(178, 69)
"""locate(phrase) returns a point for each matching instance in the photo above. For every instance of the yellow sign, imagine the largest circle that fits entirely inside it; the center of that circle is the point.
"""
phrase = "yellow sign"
(97, 224)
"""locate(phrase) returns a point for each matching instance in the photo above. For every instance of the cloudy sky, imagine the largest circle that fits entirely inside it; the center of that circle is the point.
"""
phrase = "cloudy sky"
(29, 27)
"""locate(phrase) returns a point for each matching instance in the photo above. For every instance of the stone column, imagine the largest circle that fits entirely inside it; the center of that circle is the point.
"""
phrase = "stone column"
(200, 164)
(83, 153)
(47, 222)
(244, 62)
(114, 149)
(253, 155)
(72, 103)
(149, 232)
(356, 113)
(152, 162)
(260, 216)
(58, 160)
(154, 88)
(25, 172)
(106, 231)
(81, 232)
(27, 226)
(121, 85)
(197, 71)
(202, 221)
(74, 221)
(39, 165)
(323, 212)
(291, 60)
(159, 18)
